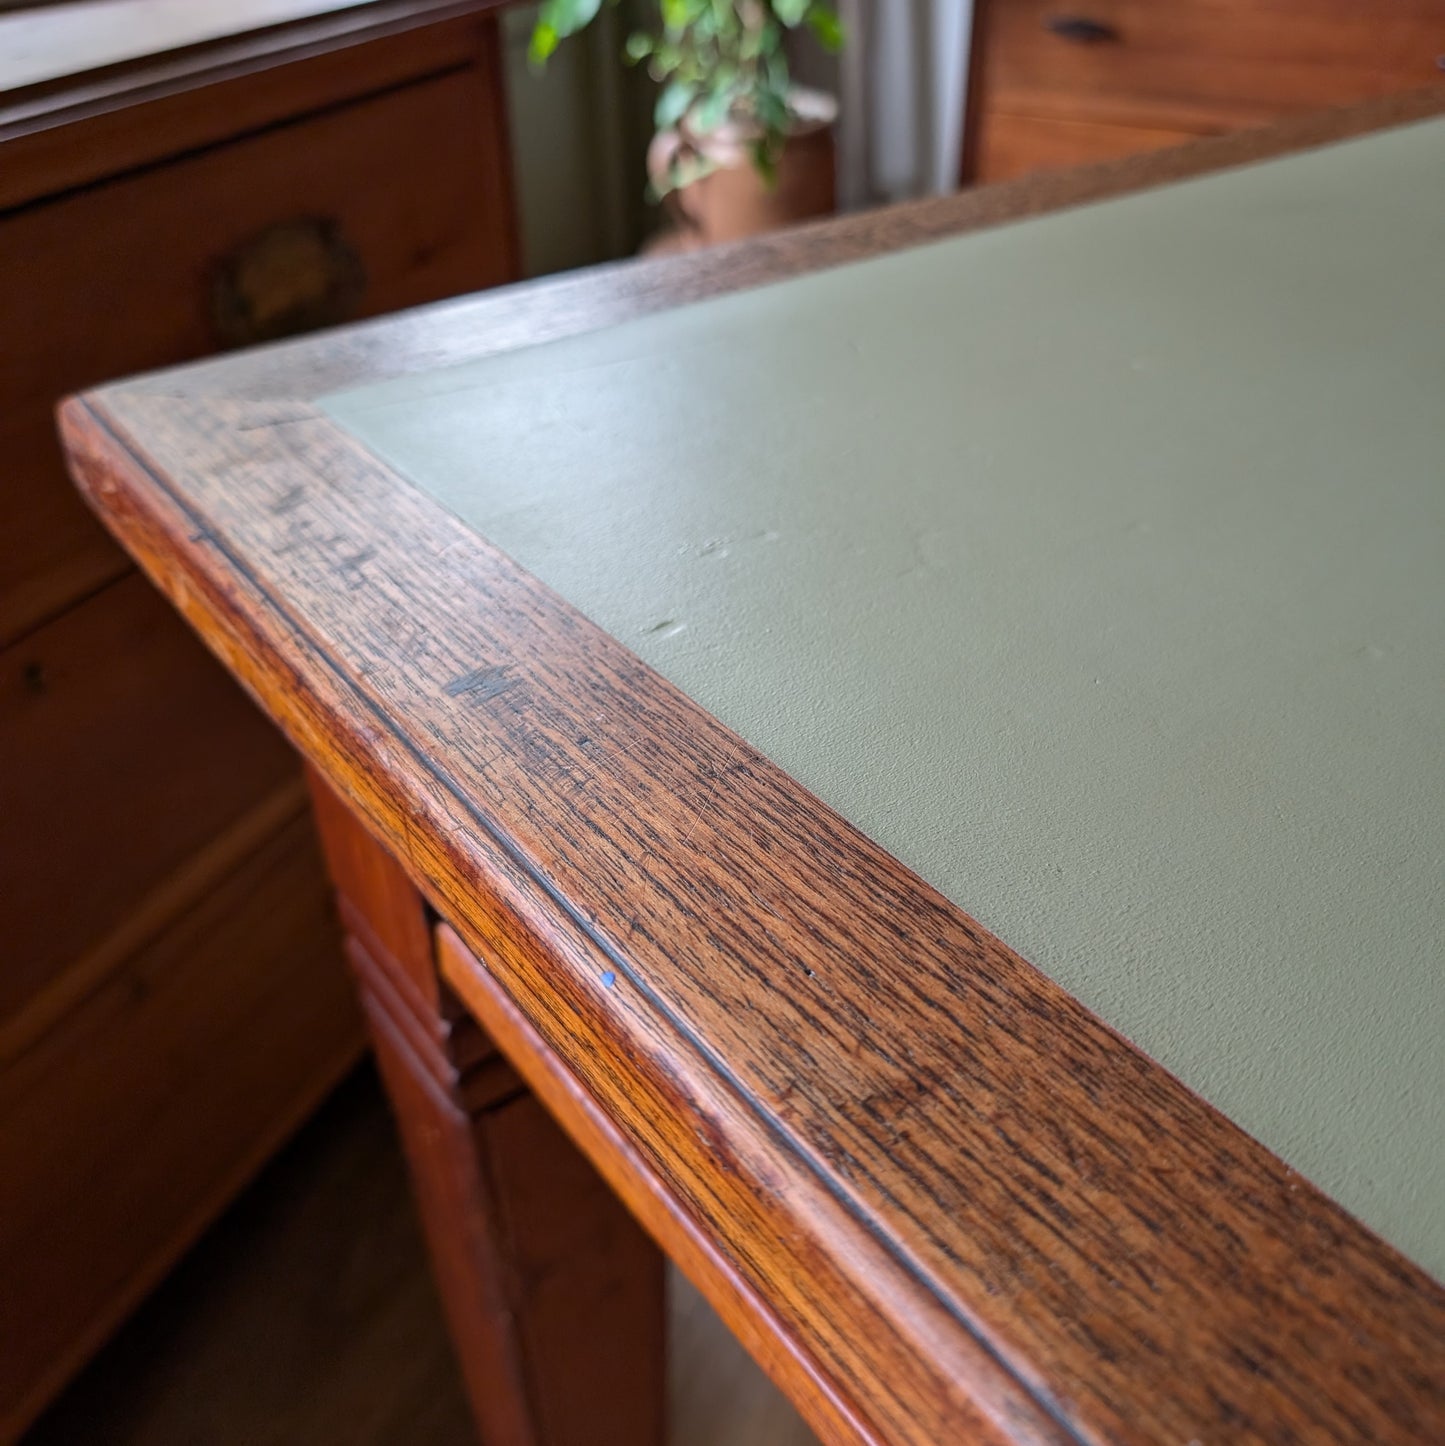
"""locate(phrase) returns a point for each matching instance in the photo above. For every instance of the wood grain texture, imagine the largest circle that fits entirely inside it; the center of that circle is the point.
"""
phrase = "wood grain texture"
(152, 912)
(647, 1194)
(588, 1284)
(422, 235)
(554, 1295)
(1196, 67)
(209, 1048)
(135, 780)
(176, 761)
(1017, 145)
(307, 1314)
(390, 912)
(970, 1208)
(1204, 65)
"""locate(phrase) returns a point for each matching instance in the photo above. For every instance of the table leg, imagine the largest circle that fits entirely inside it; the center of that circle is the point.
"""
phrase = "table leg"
(553, 1293)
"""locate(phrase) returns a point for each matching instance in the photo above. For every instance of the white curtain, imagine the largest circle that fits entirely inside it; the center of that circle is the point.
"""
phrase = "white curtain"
(900, 82)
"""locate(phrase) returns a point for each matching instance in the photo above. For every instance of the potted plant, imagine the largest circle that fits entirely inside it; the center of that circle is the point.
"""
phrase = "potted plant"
(739, 148)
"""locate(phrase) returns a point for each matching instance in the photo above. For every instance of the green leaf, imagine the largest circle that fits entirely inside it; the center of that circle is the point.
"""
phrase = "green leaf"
(544, 42)
(567, 17)
(683, 169)
(713, 111)
(555, 20)
(672, 104)
(772, 111)
(765, 162)
(824, 23)
(776, 66)
(713, 59)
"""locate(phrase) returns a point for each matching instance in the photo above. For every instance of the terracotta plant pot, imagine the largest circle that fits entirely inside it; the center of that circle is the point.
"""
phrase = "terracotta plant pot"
(734, 201)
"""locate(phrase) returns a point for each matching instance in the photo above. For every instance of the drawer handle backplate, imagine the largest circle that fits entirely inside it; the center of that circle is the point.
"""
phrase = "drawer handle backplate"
(1081, 29)
(292, 277)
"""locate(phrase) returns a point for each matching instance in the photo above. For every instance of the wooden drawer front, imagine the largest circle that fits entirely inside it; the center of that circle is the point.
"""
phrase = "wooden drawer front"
(1013, 145)
(124, 749)
(131, 1122)
(385, 203)
(1200, 65)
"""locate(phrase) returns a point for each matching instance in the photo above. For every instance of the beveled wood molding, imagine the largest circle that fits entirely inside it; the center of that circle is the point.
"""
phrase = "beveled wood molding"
(974, 1211)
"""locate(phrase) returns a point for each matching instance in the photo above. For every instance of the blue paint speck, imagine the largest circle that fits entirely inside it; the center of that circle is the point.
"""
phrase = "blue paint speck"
(609, 979)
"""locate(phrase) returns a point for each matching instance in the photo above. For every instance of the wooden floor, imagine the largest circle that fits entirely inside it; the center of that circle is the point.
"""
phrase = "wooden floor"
(307, 1316)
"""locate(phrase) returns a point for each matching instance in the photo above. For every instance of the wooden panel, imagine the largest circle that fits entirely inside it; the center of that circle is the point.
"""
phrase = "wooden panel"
(450, 1193)
(124, 750)
(1199, 65)
(134, 778)
(395, 177)
(390, 910)
(554, 1295)
(126, 1126)
(588, 1284)
(307, 1315)
(745, 1312)
(1069, 1246)
(1016, 145)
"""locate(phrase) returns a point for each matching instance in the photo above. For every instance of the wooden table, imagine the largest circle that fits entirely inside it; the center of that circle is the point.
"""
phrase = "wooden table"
(936, 1197)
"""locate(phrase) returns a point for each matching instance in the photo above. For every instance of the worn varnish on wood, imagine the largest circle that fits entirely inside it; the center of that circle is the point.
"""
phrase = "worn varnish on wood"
(1080, 1250)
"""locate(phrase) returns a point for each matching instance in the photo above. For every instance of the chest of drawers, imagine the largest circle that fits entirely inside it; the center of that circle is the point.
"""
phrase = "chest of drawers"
(168, 191)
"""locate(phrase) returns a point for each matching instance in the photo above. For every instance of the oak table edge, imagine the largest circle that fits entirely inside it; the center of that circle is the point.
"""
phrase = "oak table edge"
(98, 433)
(471, 900)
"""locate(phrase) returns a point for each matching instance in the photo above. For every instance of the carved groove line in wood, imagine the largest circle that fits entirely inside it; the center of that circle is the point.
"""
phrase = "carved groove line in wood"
(1001, 1396)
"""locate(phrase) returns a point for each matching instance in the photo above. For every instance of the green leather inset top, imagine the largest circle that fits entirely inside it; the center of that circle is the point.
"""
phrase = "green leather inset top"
(1094, 565)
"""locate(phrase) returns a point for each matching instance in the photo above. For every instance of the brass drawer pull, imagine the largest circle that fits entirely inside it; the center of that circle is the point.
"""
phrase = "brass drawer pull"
(292, 277)
(1081, 30)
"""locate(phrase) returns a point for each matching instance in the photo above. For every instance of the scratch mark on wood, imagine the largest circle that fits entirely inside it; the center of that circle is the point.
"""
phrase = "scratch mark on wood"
(289, 500)
(481, 685)
(350, 568)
